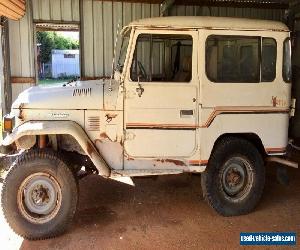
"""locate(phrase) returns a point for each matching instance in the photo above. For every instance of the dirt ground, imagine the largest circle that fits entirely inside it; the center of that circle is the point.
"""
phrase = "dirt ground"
(164, 213)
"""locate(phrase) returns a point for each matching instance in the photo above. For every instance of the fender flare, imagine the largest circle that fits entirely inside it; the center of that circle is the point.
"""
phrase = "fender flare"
(60, 127)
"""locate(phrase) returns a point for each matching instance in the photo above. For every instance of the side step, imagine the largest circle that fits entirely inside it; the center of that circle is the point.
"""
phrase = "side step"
(124, 176)
(126, 180)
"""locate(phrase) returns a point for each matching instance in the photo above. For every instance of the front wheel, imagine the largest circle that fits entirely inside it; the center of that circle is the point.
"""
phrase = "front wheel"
(39, 195)
(235, 176)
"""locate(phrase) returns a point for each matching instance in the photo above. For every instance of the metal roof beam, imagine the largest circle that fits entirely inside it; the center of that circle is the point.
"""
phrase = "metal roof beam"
(13, 9)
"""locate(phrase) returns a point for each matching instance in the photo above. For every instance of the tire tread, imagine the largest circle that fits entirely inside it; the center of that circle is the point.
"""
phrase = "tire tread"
(17, 165)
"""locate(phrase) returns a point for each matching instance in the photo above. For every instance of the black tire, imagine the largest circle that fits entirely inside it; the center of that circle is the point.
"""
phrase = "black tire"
(234, 180)
(52, 188)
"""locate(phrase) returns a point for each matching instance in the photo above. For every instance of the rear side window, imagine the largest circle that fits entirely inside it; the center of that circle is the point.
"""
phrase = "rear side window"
(268, 59)
(240, 59)
(233, 58)
(287, 65)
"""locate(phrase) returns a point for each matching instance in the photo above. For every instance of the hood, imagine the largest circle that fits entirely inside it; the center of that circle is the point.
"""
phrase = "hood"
(76, 95)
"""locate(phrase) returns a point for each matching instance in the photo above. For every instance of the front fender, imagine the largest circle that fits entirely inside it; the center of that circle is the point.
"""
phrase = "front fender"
(60, 127)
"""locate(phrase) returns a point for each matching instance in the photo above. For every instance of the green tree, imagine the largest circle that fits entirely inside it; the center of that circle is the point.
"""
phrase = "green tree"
(49, 40)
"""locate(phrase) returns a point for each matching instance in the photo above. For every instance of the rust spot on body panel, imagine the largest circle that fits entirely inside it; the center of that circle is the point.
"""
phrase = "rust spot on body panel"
(21, 115)
(176, 162)
(274, 101)
(104, 135)
(275, 150)
(90, 149)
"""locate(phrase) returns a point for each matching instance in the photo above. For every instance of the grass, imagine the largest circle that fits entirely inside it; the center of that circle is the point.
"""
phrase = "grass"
(53, 81)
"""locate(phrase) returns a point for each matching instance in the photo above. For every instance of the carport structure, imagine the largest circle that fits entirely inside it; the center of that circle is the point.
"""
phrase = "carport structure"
(98, 22)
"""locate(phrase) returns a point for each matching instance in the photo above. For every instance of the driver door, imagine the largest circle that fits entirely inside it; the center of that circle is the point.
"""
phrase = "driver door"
(161, 95)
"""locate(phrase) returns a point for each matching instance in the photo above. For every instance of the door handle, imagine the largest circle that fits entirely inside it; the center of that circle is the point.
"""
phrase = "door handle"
(140, 90)
(184, 113)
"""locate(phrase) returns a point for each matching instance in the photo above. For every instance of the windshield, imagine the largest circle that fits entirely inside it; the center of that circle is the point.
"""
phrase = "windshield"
(121, 55)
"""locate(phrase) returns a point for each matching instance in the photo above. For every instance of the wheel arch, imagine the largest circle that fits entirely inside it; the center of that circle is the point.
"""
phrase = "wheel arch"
(251, 137)
(50, 128)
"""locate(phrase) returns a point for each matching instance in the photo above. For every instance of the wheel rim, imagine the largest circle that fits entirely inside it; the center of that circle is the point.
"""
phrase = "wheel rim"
(39, 198)
(236, 178)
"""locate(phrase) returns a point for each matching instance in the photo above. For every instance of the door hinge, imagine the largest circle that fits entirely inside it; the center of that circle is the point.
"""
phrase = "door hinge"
(129, 135)
(293, 107)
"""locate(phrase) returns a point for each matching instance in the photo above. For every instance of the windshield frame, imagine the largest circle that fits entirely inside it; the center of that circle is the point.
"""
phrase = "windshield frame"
(124, 39)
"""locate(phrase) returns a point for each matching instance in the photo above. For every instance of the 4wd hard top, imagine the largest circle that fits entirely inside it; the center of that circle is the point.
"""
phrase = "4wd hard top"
(207, 22)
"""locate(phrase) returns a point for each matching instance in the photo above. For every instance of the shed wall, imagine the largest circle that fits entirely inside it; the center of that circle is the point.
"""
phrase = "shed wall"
(100, 23)
(100, 30)
(55, 10)
(21, 49)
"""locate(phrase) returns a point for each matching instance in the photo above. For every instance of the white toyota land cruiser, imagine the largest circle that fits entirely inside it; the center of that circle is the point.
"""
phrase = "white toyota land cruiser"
(189, 94)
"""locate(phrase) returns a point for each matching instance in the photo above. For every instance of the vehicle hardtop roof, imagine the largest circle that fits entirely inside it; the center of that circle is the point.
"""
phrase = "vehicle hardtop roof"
(208, 22)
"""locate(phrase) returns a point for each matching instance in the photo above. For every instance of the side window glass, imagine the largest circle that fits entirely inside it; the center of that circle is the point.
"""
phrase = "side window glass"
(162, 58)
(233, 58)
(140, 67)
(287, 64)
(268, 59)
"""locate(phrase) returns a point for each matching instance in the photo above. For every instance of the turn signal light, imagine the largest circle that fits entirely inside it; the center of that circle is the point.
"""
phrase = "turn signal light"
(8, 124)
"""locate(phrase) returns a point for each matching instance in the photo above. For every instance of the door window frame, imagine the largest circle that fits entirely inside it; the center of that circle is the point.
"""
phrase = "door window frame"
(193, 33)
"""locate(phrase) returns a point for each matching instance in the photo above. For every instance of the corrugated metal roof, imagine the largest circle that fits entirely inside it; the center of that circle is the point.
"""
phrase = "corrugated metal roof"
(13, 9)
(57, 27)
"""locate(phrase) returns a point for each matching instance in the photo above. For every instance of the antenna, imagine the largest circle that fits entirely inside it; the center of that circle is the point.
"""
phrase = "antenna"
(114, 55)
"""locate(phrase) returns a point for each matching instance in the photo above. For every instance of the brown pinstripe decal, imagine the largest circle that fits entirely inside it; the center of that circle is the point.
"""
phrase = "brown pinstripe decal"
(241, 110)
(275, 150)
(151, 125)
(217, 111)
(198, 162)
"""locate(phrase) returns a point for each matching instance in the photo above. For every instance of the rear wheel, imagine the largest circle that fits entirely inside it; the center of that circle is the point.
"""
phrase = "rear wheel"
(234, 180)
(39, 195)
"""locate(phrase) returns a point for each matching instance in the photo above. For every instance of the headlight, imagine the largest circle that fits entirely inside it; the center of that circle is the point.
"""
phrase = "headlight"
(8, 123)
